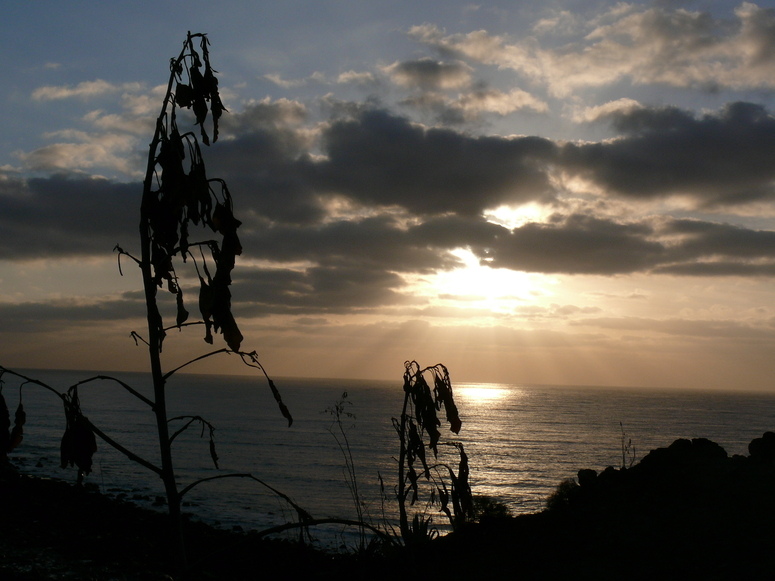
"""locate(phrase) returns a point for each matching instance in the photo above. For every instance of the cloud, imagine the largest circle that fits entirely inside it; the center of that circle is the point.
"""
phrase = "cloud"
(631, 43)
(84, 90)
(107, 150)
(427, 73)
(473, 105)
(605, 111)
(285, 83)
(584, 244)
(66, 216)
(275, 78)
(576, 244)
(316, 290)
(494, 101)
(717, 159)
(364, 78)
(51, 315)
(381, 159)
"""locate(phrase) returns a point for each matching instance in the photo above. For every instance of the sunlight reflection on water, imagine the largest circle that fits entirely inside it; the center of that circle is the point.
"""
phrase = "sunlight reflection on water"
(475, 394)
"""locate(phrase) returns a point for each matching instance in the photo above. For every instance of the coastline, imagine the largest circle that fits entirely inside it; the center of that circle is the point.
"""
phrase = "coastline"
(686, 510)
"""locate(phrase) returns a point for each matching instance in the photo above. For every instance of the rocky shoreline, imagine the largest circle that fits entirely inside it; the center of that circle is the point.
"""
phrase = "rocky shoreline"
(688, 510)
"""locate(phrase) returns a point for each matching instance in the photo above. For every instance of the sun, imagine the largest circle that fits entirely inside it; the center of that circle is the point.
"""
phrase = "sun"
(476, 290)
(482, 290)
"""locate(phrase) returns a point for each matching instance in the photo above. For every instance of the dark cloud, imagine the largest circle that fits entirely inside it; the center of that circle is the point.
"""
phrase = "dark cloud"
(316, 290)
(267, 161)
(30, 317)
(373, 242)
(66, 216)
(582, 244)
(576, 244)
(718, 159)
(721, 240)
(382, 159)
(428, 73)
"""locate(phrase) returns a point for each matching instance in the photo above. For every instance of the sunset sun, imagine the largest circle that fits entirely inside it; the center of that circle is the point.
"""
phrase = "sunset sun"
(477, 286)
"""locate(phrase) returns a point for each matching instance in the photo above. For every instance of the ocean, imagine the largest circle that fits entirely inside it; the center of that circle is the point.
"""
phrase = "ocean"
(521, 440)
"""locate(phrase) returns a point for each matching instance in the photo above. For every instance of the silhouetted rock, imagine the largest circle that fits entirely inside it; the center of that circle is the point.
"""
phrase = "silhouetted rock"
(763, 449)
(587, 477)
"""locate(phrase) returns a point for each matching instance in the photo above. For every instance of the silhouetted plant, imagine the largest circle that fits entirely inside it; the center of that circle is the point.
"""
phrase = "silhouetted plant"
(339, 415)
(628, 449)
(10, 438)
(560, 499)
(178, 200)
(450, 491)
(489, 509)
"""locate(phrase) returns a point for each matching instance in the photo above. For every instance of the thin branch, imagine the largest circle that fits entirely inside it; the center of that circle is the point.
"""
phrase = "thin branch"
(184, 428)
(205, 356)
(304, 516)
(135, 335)
(35, 381)
(121, 252)
(122, 449)
(131, 390)
(171, 327)
(325, 521)
(92, 427)
(191, 420)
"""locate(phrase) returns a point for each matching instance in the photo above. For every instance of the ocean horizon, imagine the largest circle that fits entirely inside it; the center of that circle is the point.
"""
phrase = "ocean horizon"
(522, 440)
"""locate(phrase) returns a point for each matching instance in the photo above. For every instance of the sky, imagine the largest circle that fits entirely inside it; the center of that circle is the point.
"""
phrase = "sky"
(568, 192)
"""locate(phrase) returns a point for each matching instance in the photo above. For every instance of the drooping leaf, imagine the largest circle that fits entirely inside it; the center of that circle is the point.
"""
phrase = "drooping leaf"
(231, 332)
(78, 443)
(279, 400)
(184, 95)
(17, 434)
(199, 103)
(417, 447)
(412, 475)
(205, 308)
(443, 391)
(182, 312)
(425, 411)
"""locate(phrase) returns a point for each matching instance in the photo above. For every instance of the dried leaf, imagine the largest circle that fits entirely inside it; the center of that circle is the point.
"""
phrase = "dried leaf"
(200, 94)
(78, 442)
(182, 312)
(443, 391)
(279, 400)
(231, 333)
(184, 95)
(17, 434)
(213, 455)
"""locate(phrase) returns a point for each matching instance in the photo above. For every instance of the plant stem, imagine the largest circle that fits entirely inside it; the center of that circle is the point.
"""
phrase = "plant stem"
(403, 521)
(155, 338)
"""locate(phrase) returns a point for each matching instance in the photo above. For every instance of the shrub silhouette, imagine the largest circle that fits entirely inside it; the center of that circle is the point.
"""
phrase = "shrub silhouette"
(450, 490)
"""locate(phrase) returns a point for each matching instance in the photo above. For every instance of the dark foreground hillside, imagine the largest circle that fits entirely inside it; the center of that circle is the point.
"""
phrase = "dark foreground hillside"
(685, 511)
